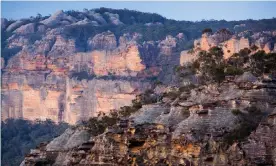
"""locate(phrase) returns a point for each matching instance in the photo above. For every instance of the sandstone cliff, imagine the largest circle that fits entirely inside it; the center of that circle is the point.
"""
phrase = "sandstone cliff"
(45, 80)
(51, 64)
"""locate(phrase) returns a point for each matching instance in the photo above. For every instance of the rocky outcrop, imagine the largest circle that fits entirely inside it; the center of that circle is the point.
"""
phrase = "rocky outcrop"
(42, 78)
(113, 18)
(166, 46)
(58, 18)
(15, 25)
(98, 17)
(233, 44)
(25, 29)
(199, 126)
(103, 41)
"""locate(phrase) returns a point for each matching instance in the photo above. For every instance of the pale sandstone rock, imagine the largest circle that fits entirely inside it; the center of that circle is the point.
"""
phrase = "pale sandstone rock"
(186, 57)
(103, 41)
(207, 42)
(62, 47)
(25, 29)
(246, 77)
(15, 25)
(148, 114)
(69, 139)
(98, 17)
(58, 17)
(2, 63)
(166, 46)
(221, 118)
(234, 46)
(114, 18)
(117, 63)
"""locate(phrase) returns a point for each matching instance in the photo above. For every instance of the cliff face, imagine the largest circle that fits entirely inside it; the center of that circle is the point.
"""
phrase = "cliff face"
(68, 79)
(196, 127)
(234, 43)
(67, 68)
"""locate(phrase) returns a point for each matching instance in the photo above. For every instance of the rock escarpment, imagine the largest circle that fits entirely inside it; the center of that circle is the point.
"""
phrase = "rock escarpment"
(234, 43)
(230, 44)
(51, 63)
(54, 79)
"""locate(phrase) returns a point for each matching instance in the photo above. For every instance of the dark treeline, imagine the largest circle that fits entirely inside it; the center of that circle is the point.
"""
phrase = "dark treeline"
(19, 136)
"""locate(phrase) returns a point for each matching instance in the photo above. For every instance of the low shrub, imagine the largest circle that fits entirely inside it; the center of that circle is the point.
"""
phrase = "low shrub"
(236, 112)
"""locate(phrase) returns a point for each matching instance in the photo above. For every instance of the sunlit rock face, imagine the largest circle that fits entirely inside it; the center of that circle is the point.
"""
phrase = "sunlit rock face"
(52, 64)
(231, 44)
(87, 98)
(63, 99)
(234, 46)
(41, 80)
(103, 41)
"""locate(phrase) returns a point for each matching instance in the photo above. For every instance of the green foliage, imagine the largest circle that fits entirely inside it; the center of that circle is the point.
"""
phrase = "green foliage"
(211, 65)
(224, 31)
(7, 53)
(98, 125)
(232, 71)
(207, 30)
(253, 110)
(185, 112)
(179, 68)
(254, 47)
(19, 136)
(262, 63)
(244, 52)
(236, 112)
(191, 51)
(173, 94)
(216, 52)
(213, 68)
(132, 16)
(238, 60)
(148, 97)
(158, 82)
(82, 75)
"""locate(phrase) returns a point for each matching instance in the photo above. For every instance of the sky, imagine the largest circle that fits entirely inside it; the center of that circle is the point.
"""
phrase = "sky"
(190, 11)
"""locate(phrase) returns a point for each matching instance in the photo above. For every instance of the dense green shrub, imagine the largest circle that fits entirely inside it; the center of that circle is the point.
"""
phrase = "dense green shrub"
(236, 112)
(232, 71)
(82, 75)
(262, 63)
(185, 112)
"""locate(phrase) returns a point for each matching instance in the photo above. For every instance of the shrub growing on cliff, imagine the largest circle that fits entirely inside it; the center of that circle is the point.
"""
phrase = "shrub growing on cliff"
(82, 75)
(236, 112)
(262, 63)
(185, 112)
(232, 71)
(97, 125)
(254, 47)
(211, 65)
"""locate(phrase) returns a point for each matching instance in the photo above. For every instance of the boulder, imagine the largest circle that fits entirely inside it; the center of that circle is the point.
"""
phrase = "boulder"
(102, 41)
(26, 29)
(246, 77)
